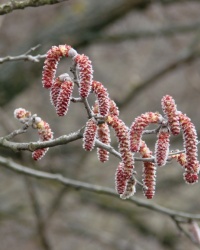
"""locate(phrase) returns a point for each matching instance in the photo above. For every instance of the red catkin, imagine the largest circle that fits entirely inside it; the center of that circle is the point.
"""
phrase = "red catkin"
(113, 108)
(149, 172)
(125, 187)
(138, 126)
(64, 97)
(51, 63)
(102, 97)
(54, 91)
(39, 153)
(162, 147)
(45, 134)
(122, 134)
(190, 146)
(120, 180)
(170, 111)
(85, 70)
(103, 134)
(89, 135)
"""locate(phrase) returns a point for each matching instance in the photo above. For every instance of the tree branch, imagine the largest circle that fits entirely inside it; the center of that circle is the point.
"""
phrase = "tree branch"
(62, 140)
(26, 56)
(23, 57)
(77, 185)
(32, 146)
(14, 5)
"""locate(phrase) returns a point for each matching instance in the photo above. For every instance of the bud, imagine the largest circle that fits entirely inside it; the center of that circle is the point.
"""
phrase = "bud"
(22, 115)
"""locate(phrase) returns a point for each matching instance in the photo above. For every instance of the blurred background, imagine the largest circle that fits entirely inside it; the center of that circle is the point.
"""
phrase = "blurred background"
(140, 50)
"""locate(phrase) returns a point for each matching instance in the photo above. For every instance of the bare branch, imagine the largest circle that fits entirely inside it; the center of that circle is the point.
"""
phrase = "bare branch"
(109, 148)
(64, 139)
(32, 49)
(77, 185)
(152, 131)
(32, 146)
(14, 5)
(26, 56)
(23, 57)
(16, 132)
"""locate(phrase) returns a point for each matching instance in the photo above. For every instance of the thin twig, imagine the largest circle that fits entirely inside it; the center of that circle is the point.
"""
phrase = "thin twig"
(77, 185)
(76, 99)
(32, 49)
(23, 57)
(32, 146)
(152, 131)
(14, 5)
(26, 56)
(16, 132)
(62, 140)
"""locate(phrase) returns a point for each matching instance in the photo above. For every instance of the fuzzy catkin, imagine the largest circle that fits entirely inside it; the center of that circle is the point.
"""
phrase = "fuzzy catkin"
(85, 70)
(89, 135)
(138, 126)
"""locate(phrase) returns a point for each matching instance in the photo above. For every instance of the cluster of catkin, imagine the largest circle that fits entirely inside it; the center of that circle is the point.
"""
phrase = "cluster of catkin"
(171, 124)
(43, 128)
(105, 115)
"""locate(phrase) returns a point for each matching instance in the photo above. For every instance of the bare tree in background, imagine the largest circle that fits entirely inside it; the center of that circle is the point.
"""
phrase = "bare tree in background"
(83, 113)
